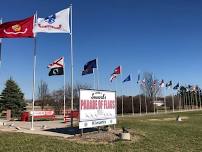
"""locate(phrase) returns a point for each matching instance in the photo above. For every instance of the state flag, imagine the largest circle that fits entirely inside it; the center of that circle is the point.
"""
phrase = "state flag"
(127, 79)
(87, 71)
(162, 84)
(17, 29)
(116, 72)
(169, 84)
(57, 63)
(56, 67)
(176, 86)
(56, 23)
(89, 66)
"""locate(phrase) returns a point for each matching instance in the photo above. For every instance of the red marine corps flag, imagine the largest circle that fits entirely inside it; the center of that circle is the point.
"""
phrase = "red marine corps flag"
(17, 29)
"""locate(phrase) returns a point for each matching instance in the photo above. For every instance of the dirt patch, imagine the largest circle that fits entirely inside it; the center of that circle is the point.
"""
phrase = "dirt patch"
(104, 137)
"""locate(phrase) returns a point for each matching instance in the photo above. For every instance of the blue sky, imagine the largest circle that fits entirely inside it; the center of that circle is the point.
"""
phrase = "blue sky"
(163, 37)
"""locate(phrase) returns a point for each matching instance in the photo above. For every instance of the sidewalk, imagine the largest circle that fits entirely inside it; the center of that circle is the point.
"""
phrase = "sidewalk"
(49, 128)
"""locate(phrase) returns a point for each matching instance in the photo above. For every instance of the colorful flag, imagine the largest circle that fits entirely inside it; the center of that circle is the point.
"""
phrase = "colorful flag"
(155, 82)
(56, 23)
(56, 68)
(138, 78)
(143, 82)
(127, 79)
(89, 66)
(176, 86)
(17, 29)
(57, 63)
(116, 72)
(162, 84)
(0, 43)
(169, 84)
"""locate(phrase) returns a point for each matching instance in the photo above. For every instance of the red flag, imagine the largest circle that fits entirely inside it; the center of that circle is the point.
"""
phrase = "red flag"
(17, 29)
(117, 70)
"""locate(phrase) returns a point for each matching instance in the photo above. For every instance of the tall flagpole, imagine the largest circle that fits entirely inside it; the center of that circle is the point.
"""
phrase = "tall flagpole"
(121, 92)
(97, 74)
(72, 69)
(33, 83)
(0, 43)
(165, 99)
(94, 86)
(64, 92)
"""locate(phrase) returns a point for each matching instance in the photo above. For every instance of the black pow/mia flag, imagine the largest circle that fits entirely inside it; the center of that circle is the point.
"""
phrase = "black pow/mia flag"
(56, 71)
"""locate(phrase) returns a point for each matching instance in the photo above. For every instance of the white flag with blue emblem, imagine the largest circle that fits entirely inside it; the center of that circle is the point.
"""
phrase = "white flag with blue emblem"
(56, 23)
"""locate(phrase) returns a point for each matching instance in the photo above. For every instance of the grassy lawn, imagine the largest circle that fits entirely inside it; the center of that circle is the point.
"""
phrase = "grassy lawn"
(158, 133)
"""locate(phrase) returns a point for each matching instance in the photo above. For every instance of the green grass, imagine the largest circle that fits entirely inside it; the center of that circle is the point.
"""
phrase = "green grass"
(155, 136)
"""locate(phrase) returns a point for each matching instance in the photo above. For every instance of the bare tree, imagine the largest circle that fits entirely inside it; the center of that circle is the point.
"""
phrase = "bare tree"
(149, 85)
(43, 93)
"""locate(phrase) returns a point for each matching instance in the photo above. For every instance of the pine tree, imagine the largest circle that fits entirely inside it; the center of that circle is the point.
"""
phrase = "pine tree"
(12, 98)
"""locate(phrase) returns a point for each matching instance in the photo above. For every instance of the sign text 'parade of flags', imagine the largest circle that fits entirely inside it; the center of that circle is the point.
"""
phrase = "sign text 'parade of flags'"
(56, 23)
(56, 68)
(17, 29)
(89, 66)
(116, 72)
(128, 78)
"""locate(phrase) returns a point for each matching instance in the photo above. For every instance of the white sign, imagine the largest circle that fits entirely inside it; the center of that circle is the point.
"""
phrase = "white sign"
(42, 113)
(97, 108)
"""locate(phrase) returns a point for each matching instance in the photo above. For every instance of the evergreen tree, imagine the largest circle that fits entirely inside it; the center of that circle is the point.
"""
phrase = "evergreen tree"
(12, 98)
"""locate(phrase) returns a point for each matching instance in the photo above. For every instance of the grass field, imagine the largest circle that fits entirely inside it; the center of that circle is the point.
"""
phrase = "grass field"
(158, 133)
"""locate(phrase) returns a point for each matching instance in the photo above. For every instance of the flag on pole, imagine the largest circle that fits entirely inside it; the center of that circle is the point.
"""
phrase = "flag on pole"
(89, 66)
(116, 72)
(154, 83)
(176, 86)
(87, 71)
(127, 79)
(56, 23)
(0, 50)
(138, 78)
(17, 29)
(169, 84)
(162, 84)
(57, 67)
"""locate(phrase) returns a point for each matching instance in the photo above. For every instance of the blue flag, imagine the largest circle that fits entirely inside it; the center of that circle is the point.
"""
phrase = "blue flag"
(127, 79)
(90, 65)
(87, 71)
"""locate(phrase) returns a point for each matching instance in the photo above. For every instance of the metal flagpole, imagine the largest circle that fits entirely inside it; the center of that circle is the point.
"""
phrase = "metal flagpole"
(97, 74)
(173, 99)
(145, 100)
(64, 92)
(33, 83)
(121, 92)
(94, 86)
(132, 106)
(72, 68)
(165, 101)
(1, 20)
(140, 101)
(200, 98)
